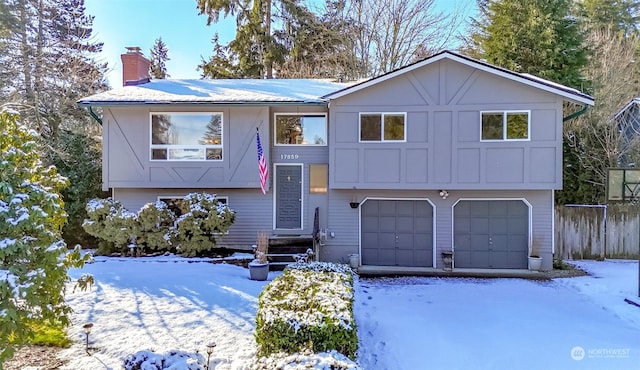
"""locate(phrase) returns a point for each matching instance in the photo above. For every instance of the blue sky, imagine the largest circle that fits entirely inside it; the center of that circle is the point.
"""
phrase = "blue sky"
(122, 23)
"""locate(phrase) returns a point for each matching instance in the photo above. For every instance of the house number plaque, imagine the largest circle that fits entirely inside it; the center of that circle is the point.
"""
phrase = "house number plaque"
(289, 156)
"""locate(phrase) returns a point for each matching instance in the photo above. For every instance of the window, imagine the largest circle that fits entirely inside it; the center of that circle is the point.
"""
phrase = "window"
(382, 126)
(186, 136)
(296, 129)
(506, 125)
(318, 178)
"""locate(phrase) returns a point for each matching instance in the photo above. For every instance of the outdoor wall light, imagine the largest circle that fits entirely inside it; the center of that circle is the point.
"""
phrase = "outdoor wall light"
(87, 330)
(210, 348)
(444, 194)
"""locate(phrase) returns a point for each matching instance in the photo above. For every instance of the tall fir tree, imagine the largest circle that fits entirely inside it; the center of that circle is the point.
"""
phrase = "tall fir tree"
(159, 56)
(33, 258)
(46, 65)
(254, 49)
(539, 37)
(614, 15)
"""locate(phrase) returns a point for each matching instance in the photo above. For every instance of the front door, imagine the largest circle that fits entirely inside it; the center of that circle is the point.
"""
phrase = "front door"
(288, 197)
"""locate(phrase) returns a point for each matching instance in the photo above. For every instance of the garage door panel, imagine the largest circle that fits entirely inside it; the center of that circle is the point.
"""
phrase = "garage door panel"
(370, 224)
(518, 226)
(498, 209)
(499, 243)
(386, 257)
(397, 232)
(499, 260)
(498, 225)
(479, 259)
(405, 224)
(479, 209)
(479, 225)
(491, 234)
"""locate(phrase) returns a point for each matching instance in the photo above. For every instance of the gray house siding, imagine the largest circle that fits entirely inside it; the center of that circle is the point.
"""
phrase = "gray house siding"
(443, 149)
(344, 221)
(127, 154)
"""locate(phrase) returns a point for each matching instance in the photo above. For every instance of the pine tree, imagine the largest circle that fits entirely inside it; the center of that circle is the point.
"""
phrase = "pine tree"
(254, 48)
(33, 258)
(615, 15)
(539, 37)
(159, 56)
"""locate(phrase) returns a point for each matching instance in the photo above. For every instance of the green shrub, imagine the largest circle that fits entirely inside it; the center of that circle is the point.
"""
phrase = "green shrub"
(203, 219)
(309, 306)
(156, 223)
(156, 228)
(112, 223)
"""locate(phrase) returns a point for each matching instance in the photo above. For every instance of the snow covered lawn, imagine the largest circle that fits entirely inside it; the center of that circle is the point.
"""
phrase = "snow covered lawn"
(404, 323)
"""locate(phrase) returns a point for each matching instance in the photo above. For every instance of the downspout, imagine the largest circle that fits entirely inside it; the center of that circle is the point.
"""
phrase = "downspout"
(576, 114)
(94, 115)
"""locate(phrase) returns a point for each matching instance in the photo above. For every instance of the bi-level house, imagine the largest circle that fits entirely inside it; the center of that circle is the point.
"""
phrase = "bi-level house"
(449, 153)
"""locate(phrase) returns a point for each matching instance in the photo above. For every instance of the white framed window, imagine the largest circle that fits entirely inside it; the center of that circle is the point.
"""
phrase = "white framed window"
(186, 136)
(300, 129)
(504, 125)
(376, 127)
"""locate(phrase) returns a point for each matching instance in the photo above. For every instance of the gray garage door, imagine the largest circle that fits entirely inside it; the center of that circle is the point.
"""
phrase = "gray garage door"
(491, 234)
(397, 233)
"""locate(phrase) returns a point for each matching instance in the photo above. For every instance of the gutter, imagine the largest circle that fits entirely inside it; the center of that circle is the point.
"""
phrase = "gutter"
(94, 115)
(576, 114)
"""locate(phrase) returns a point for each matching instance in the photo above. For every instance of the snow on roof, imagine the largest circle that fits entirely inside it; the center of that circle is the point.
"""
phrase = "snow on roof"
(230, 91)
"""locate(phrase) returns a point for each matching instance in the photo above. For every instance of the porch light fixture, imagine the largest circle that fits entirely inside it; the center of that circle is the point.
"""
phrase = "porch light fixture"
(353, 204)
(444, 194)
(87, 330)
(210, 348)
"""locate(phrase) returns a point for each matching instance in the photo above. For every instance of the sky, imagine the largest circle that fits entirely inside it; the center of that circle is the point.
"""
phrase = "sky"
(171, 303)
(122, 23)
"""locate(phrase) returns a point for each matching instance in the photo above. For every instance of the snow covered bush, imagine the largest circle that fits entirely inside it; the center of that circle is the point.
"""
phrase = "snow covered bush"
(33, 257)
(156, 227)
(156, 224)
(203, 220)
(309, 306)
(112, 223)
(174, 360)
(331, 360)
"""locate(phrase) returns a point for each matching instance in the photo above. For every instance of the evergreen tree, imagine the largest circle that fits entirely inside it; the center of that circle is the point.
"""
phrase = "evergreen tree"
(614, 15)
(159, 56)
(33, 258)
(219, 64)
(254, 48)
(539, 37)
(46, 65)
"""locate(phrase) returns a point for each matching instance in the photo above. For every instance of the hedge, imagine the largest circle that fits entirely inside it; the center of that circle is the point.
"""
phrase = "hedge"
(308, 307)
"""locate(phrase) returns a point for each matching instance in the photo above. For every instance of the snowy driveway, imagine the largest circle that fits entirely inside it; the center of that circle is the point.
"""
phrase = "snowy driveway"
(432, 323)
(406, 323)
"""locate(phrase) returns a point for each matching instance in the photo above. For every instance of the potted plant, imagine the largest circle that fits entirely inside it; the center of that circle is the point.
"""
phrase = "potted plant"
(259, 267)
(535, 261)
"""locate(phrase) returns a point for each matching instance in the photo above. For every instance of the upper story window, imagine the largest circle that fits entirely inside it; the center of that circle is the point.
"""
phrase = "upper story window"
(383, 126)
(506, 125)
(186, 136)
(300, 129)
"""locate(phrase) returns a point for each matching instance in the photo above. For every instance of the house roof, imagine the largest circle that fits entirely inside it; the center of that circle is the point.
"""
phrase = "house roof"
(222, 91)
(553, 87)
(293, 91)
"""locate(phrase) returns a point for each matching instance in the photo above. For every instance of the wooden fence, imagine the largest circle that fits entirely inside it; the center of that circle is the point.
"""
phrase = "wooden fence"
(595, 232)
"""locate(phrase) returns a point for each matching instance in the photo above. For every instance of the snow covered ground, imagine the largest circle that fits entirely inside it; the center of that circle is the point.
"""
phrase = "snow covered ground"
(404, 323)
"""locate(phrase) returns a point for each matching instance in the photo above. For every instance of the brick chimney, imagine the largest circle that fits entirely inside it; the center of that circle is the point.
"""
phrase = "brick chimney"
(135, 67)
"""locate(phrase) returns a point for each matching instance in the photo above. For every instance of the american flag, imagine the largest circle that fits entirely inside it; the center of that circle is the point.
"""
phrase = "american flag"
(263, 170)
